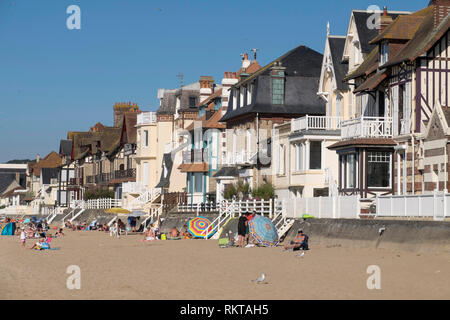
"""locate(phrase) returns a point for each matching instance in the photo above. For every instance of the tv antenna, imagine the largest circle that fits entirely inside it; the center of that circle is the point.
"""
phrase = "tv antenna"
(255, 50)
(180, 76)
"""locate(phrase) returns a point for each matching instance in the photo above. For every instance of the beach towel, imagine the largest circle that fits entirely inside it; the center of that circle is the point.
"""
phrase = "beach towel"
(173, 238)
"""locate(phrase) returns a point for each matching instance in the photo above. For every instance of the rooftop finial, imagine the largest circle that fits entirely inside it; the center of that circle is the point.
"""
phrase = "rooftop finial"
(328, 28)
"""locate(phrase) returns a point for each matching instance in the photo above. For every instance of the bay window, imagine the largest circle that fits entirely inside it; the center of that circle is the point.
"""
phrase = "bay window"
(379, 169)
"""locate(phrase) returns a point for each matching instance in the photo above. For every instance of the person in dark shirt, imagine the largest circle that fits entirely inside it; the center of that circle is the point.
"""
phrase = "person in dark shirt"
(242, 229)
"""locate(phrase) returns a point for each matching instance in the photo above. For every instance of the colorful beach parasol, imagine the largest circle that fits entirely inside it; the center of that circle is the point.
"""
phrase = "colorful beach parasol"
(117, 210)
(197, 225)
(263, 230)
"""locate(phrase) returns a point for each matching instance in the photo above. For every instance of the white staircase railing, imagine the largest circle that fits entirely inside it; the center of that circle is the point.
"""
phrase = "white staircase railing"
(144, 198)
(77, 215)
(281, 223)
(227, 211)
(154, 215)
(78, 205)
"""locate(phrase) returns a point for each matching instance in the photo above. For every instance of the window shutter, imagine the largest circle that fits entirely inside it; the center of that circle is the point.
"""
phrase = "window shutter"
(407, 101)
(395, 108)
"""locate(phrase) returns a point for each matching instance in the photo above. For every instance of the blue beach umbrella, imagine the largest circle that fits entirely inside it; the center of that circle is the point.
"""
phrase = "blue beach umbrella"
(263, 230)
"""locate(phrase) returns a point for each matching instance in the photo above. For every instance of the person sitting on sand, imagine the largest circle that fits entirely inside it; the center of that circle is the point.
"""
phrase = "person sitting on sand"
(38, 245)
(59, 232)
(300, 242)
(185, 233)
(149, 235)
(174, 233)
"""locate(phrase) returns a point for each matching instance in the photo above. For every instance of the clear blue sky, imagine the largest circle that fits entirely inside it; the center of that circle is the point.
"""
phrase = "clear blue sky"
(54, 80)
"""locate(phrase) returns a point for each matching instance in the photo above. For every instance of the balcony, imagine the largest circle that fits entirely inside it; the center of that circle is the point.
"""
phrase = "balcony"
(123, 174)
(316, 123)
(75, 181)
(239, 158)
(367, 127)
(146, 118)
(195, 156)
(103, 178)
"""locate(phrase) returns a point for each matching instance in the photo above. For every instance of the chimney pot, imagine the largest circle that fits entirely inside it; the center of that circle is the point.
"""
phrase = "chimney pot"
(246, 56)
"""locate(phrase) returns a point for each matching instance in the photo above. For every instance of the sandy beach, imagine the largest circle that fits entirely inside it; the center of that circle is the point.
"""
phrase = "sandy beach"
(126, 268)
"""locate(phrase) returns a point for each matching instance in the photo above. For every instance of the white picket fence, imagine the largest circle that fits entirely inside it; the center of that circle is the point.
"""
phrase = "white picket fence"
(106, 203)
(337, 207)
(435, 205)
(263, 207)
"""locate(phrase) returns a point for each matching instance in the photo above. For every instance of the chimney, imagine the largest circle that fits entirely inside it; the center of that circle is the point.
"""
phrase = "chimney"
(206, 84)
(385, 20)
(38, 157)
(227, 82)
(245, 61)
(441, 10)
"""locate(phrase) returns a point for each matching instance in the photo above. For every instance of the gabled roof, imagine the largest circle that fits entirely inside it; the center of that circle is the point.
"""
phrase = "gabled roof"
(300, 61)
(302, 69)
(65, 148)
(9, 190)
(365, 34)
(217, 94)
(337, 45)
(369, 65)
(371, 83)
(52, 160)
(403, 28)
(423, 40)
(129, 124)
(6, 180)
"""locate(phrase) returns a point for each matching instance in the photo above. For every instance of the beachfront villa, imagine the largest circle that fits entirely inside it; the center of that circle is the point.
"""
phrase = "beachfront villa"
(398, 86)
(284, 89)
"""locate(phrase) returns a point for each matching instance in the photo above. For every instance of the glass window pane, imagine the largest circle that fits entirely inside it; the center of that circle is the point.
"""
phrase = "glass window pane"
(379, 170)
(315, 159)
(198, 182)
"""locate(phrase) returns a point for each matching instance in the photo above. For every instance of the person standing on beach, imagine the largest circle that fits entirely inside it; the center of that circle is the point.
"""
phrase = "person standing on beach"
(242, 229)
(23, 237)
(247, 231)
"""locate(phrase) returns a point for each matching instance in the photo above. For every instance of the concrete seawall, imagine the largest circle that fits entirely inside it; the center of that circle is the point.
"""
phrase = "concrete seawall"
(417, 236)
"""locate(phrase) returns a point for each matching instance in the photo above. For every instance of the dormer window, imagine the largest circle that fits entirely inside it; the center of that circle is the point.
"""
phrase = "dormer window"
(192, 102)
(384, 52)
(278, 90)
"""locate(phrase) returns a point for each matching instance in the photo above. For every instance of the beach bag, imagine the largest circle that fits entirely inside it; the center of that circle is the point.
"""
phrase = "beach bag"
(223, 242)
(163, 236)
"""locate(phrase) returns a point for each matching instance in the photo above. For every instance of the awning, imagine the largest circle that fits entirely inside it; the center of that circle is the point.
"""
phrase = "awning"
(364, 142)
(194, 167)
(371, 83)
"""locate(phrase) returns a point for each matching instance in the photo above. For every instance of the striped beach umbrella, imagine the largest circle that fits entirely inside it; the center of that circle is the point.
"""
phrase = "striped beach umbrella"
(196, 226)
(263, 230)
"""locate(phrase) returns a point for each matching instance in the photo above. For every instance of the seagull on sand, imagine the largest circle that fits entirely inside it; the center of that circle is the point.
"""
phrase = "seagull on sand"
(260, 279)
(301, 254)
(381, 230)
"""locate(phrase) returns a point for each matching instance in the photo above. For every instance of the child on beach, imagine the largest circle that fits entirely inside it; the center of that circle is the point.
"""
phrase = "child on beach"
(23, 237)
(59, 232)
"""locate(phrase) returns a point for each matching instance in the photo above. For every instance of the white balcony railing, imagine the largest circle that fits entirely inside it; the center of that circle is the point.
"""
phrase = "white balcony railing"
(367, 127)
(238, 158)
(316, 123)
(146, 118)
(133, 187)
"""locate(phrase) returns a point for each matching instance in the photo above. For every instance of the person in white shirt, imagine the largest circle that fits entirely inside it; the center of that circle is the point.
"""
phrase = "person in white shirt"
(23, 237)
